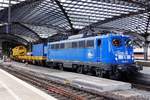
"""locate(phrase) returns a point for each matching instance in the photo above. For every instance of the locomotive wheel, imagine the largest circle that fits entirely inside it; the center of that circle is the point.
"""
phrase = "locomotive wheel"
(79, 70)
(98, 73)
(74, 68)
(116, 76)
(61, 67)
(32, 62)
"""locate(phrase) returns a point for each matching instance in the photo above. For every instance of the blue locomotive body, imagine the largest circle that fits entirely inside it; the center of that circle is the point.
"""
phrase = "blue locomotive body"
(106, 53)
(92, 49)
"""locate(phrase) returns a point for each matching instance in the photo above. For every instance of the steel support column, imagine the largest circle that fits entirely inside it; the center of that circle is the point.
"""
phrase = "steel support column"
(29, 30)
(65, 14)
(146, 51)
(146, 41)
(9, 18)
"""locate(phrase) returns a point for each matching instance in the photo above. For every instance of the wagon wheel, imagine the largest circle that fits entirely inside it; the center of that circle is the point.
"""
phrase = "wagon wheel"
(98, 72)
(79, 70)
(33, 62)
(61, 67)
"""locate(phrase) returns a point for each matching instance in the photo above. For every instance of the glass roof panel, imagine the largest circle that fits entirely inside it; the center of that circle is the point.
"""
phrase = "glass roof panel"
(43, 32)
(77, 13)
(81, 12)
(135, 23)
(5, 3)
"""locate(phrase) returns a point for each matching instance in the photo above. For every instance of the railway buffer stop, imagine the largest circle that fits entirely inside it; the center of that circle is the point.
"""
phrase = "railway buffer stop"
(89, 46)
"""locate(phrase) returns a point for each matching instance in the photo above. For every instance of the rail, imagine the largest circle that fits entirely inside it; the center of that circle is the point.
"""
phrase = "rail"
(65, 91)
(58, 90)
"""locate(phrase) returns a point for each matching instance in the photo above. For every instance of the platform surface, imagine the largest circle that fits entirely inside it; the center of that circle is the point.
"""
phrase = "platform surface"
(146, 66)
(146, 70)
(74, 79)
(12, 88)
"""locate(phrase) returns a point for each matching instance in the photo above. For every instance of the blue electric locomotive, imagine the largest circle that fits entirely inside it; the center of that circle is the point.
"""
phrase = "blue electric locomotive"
(107, 55)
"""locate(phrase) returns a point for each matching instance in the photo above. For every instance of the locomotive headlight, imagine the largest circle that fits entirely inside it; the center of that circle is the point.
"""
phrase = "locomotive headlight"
(132, 56)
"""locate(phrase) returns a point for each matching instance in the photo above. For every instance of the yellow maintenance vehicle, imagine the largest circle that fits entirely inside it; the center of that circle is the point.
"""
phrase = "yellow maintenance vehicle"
(19, 53)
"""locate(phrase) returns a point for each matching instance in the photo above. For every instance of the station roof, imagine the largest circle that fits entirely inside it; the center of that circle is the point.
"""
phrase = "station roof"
(5, 3)
(38, 19)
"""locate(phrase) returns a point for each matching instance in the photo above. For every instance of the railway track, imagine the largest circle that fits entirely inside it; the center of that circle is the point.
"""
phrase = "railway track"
(58, 90)
(140, 81)
(62, 91)
(141, 86)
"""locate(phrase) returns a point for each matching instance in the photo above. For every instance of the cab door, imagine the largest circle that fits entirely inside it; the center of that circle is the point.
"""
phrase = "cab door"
(99, 50)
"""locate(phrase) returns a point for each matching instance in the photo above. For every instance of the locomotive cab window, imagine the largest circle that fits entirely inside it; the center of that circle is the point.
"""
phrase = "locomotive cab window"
(116, 42)
(90, 43)
(128, 43)
(99, 42)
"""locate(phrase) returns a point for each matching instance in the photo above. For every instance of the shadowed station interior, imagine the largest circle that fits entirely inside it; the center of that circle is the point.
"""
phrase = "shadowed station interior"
(75, 49)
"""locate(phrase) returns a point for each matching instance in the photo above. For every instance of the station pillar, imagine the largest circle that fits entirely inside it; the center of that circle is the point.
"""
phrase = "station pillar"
(146, 51)
(1, 55)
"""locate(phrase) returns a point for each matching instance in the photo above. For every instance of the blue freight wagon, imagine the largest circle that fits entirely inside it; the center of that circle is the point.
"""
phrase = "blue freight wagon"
(39, 50)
